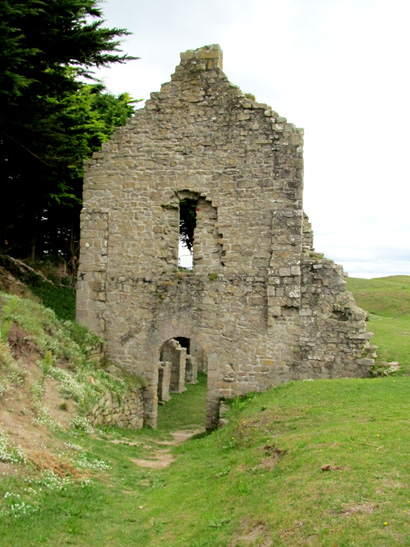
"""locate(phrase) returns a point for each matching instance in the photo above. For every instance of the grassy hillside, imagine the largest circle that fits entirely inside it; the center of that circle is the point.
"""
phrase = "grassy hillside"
(310, 463)
(384, 296)
(387, 300)
(45, 282)
(49, 380)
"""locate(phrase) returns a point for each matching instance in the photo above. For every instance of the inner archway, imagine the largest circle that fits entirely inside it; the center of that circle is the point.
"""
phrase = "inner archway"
(182, 385)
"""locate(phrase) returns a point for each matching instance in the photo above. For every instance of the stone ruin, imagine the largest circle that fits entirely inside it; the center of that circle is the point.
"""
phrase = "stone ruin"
(176, 369)
(258, 307)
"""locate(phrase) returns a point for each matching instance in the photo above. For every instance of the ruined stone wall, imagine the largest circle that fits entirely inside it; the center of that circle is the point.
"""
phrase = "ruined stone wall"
(127, 412)
(259, 306)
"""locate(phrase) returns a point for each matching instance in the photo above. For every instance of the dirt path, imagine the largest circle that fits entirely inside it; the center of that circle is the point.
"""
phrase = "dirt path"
(163, 458)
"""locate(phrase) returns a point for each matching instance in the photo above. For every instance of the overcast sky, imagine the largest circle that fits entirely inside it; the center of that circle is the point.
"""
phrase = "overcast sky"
(337, 68)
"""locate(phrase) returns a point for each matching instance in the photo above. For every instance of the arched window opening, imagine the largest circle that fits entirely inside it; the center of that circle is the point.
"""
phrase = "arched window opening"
(187, 225)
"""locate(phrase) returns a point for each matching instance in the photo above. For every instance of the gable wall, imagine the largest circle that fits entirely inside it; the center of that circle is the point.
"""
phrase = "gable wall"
(257, 305)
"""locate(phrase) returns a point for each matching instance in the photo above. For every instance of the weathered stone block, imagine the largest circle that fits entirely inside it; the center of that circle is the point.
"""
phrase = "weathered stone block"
(164, 379)
(191, 370)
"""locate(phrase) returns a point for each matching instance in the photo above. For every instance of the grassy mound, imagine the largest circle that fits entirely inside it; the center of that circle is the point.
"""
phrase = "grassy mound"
(49, 380)
(387, 300)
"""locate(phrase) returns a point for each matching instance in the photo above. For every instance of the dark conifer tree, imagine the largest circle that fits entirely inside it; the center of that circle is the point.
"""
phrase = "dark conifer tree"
(50, 120)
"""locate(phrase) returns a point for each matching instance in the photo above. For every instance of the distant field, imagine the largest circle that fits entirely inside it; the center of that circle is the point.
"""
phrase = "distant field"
(387, 299)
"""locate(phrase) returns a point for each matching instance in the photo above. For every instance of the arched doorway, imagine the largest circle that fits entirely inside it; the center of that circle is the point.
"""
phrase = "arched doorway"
(182, 383)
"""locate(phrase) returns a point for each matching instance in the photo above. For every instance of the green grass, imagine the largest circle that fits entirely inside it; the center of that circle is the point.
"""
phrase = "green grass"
(186, 410)
(58, 293)
(261, 477)
(387, 300)
(59, 298)
(384, 296)
(393, 338)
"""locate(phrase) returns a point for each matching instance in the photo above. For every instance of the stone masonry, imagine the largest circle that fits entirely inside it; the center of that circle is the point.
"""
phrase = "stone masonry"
(259, 307)
(127, 412)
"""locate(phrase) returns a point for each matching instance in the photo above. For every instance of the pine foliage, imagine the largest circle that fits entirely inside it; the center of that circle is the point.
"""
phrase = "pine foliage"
(50, 119)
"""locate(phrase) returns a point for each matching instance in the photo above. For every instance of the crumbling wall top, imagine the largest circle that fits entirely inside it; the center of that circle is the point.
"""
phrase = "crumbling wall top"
(205, 58)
